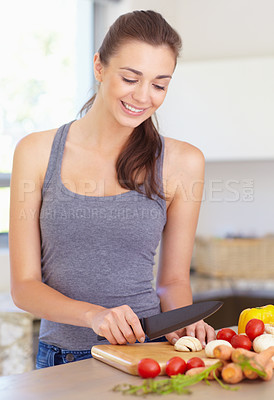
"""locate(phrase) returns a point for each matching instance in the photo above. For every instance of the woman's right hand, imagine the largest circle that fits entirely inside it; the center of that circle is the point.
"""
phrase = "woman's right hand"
(119, 325)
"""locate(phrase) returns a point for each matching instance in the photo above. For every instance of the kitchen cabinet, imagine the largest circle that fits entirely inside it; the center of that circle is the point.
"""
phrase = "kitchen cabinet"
(92, 379)
(224, 107)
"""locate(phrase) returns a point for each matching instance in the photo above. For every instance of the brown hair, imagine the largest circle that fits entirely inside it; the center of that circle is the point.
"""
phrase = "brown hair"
(144, 145)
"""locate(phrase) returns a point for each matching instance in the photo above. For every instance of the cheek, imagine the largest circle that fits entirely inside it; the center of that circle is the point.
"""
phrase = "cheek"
(111, 89)
(117, 91)
(159, 99)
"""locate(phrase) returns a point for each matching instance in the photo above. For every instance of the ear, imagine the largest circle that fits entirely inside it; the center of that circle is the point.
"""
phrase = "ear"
(98, 67)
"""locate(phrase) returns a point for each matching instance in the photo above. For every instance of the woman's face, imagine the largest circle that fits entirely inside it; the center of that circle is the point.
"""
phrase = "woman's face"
(135, 81)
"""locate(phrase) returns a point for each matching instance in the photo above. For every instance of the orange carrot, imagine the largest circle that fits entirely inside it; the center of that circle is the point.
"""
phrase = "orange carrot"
(194, 371)
(259, 361)
(224, 364)
(239, 355)
(268, 370)
(211, 361)
(263, 357)
(232, 373)
(223, 352)
(211, 374)
(249, 374)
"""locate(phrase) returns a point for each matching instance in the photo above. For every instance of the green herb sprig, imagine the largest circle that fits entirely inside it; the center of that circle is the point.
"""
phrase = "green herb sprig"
(244, 362)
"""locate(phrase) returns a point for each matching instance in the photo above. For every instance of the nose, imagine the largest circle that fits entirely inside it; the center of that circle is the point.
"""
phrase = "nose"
(141, 93)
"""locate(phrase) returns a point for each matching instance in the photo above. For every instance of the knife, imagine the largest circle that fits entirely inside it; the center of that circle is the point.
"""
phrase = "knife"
(170, 321)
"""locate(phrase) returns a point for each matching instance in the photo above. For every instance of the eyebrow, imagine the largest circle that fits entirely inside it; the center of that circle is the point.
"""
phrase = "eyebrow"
(135, 71)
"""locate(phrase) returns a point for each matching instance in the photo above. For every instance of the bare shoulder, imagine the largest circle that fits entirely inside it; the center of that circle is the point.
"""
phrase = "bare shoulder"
(33, 151)
(36, 140)
(182, 157)
(183, 167)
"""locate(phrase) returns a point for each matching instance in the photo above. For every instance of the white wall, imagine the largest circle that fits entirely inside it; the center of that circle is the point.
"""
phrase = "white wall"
(217, 29)
(238, 199)
(224, 107)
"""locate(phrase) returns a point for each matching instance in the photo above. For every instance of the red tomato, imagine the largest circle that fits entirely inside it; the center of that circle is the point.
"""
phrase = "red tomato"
(148, 368)
(254, 328)
(194, 362)
(242, 341)
(175, 366)
(226, 334)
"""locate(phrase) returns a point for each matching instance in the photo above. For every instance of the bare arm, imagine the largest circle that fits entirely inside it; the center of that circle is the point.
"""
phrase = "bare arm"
(28, 291)
(173, 280)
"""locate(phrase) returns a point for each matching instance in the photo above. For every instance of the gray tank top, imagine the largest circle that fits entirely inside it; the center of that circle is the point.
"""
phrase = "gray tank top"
(97, 249)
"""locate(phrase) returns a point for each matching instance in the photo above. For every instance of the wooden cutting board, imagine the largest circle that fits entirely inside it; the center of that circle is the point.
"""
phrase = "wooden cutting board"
(126, 357)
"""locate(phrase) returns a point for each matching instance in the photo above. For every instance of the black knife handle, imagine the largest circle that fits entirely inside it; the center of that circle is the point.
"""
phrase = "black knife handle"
(142, 322)
(101, 338)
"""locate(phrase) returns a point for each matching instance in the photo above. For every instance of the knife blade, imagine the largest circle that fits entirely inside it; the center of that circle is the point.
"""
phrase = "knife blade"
(160, 324)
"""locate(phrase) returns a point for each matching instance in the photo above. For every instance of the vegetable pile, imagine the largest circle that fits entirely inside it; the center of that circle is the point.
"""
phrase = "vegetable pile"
(233, 366)
(235, 362)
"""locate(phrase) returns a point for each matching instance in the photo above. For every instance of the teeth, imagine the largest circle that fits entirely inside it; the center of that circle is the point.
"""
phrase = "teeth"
(137, 110)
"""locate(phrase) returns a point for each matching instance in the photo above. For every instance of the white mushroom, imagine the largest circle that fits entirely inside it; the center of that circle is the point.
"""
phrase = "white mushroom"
(262, 342)
(181, 347)
(269, 328)
(188, 343)
(211, 346)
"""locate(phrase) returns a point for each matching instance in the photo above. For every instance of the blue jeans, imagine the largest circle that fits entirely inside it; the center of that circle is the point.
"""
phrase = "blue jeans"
(49, 355)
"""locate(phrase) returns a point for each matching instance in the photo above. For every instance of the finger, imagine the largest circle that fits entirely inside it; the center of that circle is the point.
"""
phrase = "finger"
(201, 333)
(108, 335)
(117, 334)
(126, 330)
(110, 338)
(119, 326)
(190, 330)
(197, 330)
(181, 332)
(110, 330)
(136, 326)
(210, 333)
(172, 337)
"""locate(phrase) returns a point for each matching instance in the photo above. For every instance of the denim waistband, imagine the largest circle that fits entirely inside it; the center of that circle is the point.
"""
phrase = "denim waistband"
(49, 355)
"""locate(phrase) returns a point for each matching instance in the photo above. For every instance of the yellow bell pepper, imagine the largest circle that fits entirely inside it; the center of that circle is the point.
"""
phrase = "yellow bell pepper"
(264, 313)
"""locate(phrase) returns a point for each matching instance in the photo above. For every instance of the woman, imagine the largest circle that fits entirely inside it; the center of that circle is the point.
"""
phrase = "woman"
(91, 200)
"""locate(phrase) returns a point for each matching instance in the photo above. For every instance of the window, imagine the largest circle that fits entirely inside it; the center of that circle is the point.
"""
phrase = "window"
(46, 52)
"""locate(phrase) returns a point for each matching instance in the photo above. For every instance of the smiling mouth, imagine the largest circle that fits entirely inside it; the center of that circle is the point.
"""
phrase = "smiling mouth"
(132, 109)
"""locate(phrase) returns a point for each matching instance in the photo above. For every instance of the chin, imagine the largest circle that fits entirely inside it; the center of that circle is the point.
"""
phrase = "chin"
(134, 122)
(131, 124)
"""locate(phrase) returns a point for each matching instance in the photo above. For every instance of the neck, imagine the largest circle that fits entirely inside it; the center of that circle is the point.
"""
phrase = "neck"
(102, 132)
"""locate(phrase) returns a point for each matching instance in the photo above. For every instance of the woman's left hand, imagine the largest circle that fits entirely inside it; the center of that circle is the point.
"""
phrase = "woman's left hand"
(201, 330)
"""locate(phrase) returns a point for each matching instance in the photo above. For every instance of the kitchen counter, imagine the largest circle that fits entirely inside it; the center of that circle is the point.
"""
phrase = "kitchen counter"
(92, 379)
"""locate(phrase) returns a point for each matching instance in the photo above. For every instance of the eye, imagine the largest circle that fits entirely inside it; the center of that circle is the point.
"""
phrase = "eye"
(158, 87)
(128, 80)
